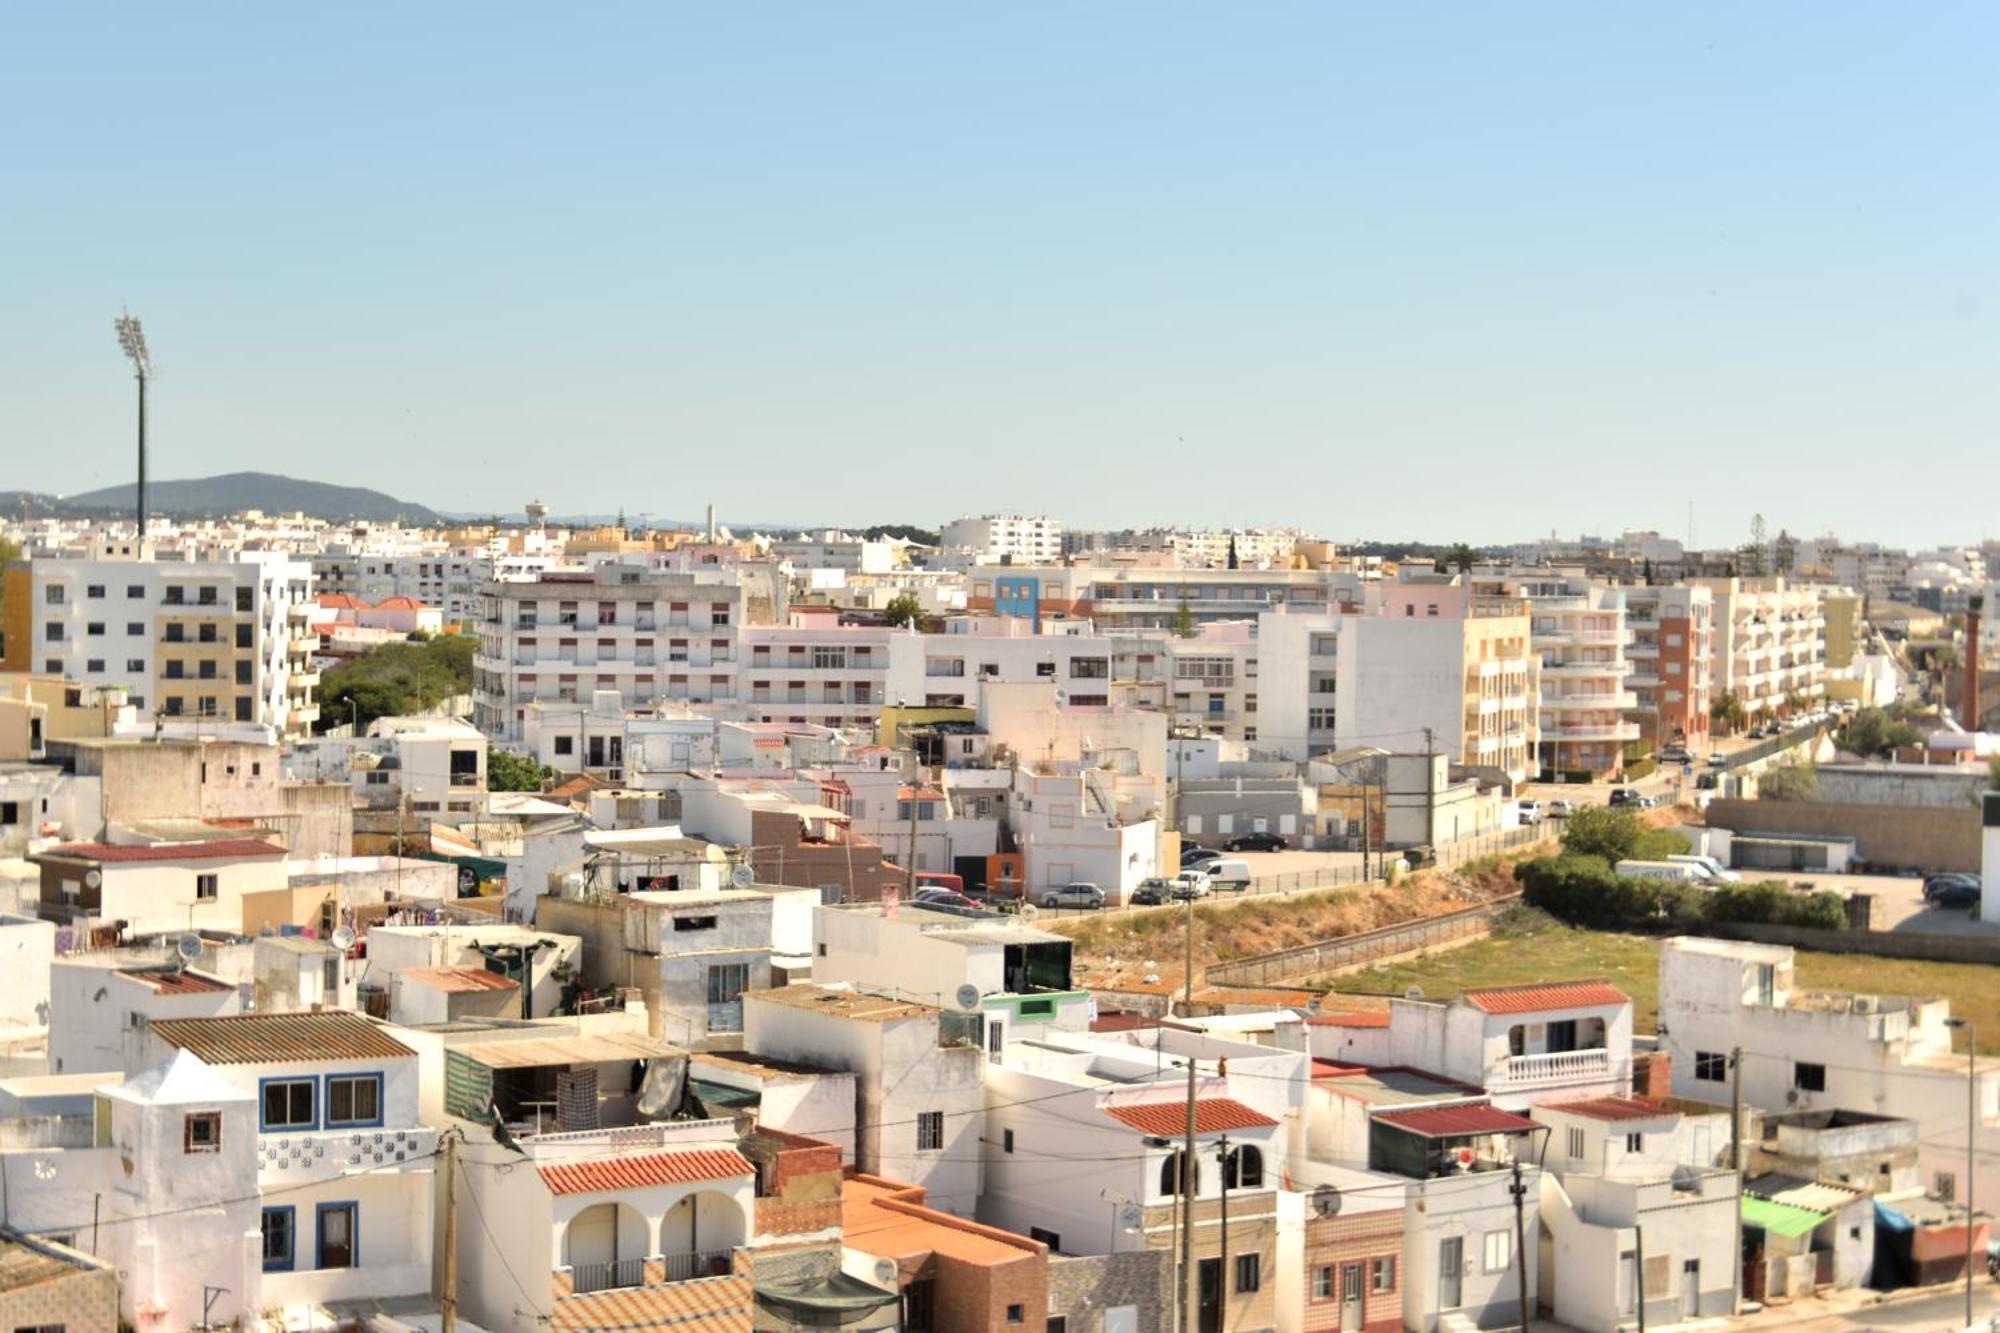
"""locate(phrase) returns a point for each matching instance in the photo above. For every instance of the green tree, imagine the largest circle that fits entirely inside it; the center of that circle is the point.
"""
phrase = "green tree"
(904, 609)
(1872, 733)
(397, 679)
(1793, 780)
(1726, 711)
(1184, 620)
(507, 771)
(1598, 830)
(1458, 556)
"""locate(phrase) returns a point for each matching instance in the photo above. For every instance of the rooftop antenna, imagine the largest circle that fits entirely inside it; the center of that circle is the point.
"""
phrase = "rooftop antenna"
(132, 339)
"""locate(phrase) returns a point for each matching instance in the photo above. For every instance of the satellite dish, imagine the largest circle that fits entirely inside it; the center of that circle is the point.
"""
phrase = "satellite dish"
(967, 996)
(742, 876)
(188, 947)
(885, 1270)
(93, 878)
(1326, 1201)
(342, 938)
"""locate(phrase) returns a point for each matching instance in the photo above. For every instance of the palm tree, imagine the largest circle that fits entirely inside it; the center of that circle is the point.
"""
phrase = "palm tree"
(1726, 711)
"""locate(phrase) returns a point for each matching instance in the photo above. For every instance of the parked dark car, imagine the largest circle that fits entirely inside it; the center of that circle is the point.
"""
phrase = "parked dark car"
(1626, 796)
(944, 898)
(1255, 842)
(1194, 856)
(1675, 754)
(1152, 892)
(1953, 891)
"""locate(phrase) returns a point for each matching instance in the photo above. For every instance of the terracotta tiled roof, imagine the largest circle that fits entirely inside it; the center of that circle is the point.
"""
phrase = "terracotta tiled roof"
(255, 1039)
(1350, 1018)
(889, 1219)
(341, 601)
(215, 849)
(1611, 1108)
(1549, 995)
(1212, 1115)
(1444, 1122)
(710, 1305)
(460, 980)
(667, 1168)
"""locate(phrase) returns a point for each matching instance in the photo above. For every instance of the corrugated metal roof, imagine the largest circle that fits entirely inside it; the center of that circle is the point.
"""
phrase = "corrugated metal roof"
(255, 1039)
(1781, 1218)
(1212, 1115)
(1812, 1195)
(460, 980)
(212, 849)
(1446, 1122)
(601, 1175)
(1548, 995)
(709, 1305)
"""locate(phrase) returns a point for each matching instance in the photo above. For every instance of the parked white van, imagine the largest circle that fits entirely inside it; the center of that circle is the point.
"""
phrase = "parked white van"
(1679, 870)
(1228, 874)
(1712, 870)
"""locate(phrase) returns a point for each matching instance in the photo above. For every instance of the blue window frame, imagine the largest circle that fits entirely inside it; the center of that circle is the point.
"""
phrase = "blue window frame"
(353, 1101)
(339, 1235)
(281, 1238)
(287, 1103)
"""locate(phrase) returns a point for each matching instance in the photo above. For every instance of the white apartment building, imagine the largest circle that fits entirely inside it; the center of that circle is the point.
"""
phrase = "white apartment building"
(1672, 651)
(225, 638)
(817, 670)
(832, 549)
(570, 635)
(1579, 633)
(1822, 1051)
(1213, 685)
(1770, 644)
(1298, 673)
(433, 573)
(1015, 538)
(1091, 669)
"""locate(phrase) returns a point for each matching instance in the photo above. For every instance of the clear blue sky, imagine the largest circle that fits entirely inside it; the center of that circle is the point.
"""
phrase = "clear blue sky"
(1474, 271)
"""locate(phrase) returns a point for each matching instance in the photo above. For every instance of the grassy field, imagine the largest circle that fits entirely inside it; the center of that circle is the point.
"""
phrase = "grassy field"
(1632, 963)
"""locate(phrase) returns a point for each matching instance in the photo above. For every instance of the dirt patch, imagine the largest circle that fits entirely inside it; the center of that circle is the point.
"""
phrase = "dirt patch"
(1144, 950)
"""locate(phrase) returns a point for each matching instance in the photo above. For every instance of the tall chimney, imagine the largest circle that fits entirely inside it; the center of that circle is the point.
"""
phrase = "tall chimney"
(711, 524)
(1968, 713)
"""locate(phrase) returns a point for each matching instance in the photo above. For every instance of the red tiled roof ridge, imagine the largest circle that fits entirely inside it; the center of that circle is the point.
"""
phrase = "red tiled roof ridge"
(669, 1167)
(206, 849)
(1168, 1116)
(1457, 1120)
(1533, 995)
(1612, 1106)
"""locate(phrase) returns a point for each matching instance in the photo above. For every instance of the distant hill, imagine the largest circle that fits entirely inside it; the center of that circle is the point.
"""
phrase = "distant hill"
(234, 492)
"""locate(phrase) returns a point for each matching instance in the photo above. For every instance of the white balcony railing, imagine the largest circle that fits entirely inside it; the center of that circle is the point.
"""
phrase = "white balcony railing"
(1553, 1067)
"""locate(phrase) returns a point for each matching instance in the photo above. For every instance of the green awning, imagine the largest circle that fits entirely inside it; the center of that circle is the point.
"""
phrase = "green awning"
(829, 1302)
(1780, 1219)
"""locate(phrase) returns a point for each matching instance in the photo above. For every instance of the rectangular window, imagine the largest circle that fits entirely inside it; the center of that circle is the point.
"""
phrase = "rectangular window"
(201, 1131)
(54, 594)
(95, 629)
(1323, 1282)
(1944, 1186)
(289, 1103)
(95, 591)
(1249, 1272)
(1808, 1077)
(930, 1131)
(1382, 1273)
(1575, 1144)
(1006, 1140)
(1499, 1251)
(1049, 1238)
(205, 888)
(829, 659)
(280, 1239)
(727, 982)
(54, 631)
(1711, 1067)
(694, 923)
(920, 1306)
(337, 1235)
(353, 1100)
(134, 590)
(1635, 1142)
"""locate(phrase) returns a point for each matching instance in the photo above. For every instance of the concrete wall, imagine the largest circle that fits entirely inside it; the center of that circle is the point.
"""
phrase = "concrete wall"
(1901, 785)
(1921, 837)
(1111, 1293)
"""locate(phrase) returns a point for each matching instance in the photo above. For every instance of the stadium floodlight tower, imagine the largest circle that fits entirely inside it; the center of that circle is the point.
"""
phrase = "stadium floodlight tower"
(132, 339)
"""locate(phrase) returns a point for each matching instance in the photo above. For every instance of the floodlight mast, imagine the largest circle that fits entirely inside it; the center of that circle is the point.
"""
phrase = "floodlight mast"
(132, 340)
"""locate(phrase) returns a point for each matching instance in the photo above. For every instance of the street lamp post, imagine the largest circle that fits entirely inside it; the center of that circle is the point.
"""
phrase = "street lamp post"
(132, 340)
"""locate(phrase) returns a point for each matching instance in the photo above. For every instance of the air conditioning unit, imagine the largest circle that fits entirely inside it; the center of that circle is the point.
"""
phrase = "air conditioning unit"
(1864, 1004)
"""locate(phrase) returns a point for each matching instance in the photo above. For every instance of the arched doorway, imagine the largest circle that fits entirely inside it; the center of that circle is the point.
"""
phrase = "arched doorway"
(605, 1246)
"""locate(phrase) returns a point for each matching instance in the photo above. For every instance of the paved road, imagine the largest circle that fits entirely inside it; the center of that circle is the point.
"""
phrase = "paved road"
(1941, 1313)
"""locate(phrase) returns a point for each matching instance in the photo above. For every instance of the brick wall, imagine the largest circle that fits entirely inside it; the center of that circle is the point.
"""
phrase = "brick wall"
(85, 1301)
(1331, 1242)
(1652, 1074)
(1083, 1287)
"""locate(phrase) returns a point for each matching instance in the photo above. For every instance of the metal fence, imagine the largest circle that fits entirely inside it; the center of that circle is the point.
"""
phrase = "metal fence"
(1351, 951)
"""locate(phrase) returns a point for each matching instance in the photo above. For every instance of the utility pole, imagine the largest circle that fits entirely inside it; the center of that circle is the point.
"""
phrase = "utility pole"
(910, 871)
(1638, 1272)
(1430, 795)
(448, 1299)
(1736, 1165)
(1222, 1278)
(1520, 1193)
(1190, 1278)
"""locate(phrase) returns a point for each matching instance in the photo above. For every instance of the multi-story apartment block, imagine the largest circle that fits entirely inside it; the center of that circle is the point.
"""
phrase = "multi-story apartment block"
(817, 670)
(1213, 689)
(1580, 635)
(447, 578)
(1148, 597)
(832, 549)
(571, 635)
(1008, 537)
(1298, 677)
(1092, 669)
(1769, 644)
(1672, 654)
(1438, 669)
(226, 638)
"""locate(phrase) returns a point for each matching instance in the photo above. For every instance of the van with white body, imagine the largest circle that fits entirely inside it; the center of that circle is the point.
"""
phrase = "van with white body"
(1712, 870)
(1228, 874)
(1679, 870)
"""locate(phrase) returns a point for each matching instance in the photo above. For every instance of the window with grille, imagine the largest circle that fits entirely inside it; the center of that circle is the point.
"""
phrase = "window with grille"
(930, 1131)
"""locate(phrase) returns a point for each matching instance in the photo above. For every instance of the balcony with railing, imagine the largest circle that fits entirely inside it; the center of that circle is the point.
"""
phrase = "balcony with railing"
(651, 1271)
(1551, 1069)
